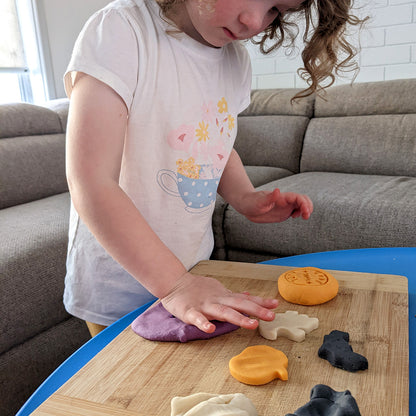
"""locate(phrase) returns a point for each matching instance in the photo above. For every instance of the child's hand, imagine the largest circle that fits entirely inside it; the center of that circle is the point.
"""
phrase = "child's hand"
(274, 206)
(198, 299)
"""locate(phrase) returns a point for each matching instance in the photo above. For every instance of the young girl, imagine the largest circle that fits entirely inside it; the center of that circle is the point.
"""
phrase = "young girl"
(155, 88)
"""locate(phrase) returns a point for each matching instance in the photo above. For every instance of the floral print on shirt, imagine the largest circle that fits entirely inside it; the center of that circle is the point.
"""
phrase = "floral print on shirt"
(205, 148)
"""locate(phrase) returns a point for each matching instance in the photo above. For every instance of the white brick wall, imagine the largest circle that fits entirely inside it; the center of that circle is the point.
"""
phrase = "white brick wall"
(388, 48)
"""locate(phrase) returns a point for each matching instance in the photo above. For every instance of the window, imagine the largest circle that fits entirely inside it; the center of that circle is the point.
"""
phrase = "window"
(21, 77)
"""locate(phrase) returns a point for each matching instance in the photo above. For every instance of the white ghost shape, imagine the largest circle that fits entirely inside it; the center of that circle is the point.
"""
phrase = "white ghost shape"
(290, 325)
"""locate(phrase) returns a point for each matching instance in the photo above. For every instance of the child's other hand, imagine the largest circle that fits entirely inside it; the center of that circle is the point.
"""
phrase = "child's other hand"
(274, 206)
(197, 300)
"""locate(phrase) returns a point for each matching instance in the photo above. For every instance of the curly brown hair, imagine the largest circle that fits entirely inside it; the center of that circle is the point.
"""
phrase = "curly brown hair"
(165, 5)
(326, 53)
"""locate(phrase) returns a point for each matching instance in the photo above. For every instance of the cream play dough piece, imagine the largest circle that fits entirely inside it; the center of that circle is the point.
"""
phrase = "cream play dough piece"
(206, 404)
(289, 325)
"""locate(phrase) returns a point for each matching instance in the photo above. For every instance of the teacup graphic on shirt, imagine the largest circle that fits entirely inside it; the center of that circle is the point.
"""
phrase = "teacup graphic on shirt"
(195, 184)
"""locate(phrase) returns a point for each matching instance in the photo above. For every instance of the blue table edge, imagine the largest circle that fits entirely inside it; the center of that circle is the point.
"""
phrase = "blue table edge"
(396, 261)
(77, 360)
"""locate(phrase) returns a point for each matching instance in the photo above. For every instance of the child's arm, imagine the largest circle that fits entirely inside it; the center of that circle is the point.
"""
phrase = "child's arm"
(95, 140)
(259, 206)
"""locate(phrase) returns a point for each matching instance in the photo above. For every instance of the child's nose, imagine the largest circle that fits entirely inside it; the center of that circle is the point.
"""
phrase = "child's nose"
(253, 20)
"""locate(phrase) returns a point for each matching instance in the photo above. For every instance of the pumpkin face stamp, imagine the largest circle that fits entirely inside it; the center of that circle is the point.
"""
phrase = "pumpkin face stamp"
(307, 286)
(259, 364)
(290, 324)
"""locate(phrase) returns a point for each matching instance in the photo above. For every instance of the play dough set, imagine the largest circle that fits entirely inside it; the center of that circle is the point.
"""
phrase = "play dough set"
(260, 364)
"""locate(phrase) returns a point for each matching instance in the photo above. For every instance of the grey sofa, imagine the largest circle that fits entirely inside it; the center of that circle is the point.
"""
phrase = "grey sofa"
(353, 153)
(36, 333)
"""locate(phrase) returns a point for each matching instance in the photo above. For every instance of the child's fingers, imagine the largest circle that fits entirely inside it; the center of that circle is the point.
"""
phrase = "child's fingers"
(222, 312)
(285, 198)
(194, 317)
(236, 309)
(198, 299)
(275, 197)
(306, 208)
(248, 323)
(270, 198)
(302, 204)
(251, 305)
(269, 303)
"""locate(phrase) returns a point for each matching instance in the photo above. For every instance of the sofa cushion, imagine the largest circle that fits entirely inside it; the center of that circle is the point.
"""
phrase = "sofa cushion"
(336, 144)
(368, 98)
(60, 106)
(272, 122)
(22, 119)
(24, 367)
(259, 175)
(32, 268)
(350, 211)
(34, 167)
(282, 136)
(366, 128)
(278, 101)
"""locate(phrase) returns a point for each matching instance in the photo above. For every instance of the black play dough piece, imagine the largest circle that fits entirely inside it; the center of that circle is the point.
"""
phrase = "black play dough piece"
(328, 402)
(337, 350)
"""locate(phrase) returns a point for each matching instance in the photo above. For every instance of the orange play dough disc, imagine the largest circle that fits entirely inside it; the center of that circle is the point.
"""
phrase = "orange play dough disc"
(259, 365)
(307, 286)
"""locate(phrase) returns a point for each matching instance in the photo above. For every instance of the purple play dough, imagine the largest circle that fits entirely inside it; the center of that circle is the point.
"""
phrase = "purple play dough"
(157, 324)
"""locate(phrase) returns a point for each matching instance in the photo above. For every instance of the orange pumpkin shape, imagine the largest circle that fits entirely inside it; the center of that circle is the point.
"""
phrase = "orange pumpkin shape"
(259, 365)
(307, 286)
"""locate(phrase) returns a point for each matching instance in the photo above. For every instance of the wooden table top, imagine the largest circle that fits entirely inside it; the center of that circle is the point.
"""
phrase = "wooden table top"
(134, 376)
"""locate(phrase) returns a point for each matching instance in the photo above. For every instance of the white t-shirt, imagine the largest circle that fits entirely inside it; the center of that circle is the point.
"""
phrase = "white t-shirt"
(183, 99)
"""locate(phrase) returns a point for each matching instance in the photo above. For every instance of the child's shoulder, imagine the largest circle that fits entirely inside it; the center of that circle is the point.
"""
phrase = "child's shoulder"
(119, 12)
(126, 7)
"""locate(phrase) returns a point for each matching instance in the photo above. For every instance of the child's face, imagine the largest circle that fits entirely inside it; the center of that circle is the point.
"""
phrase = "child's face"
(218, 22)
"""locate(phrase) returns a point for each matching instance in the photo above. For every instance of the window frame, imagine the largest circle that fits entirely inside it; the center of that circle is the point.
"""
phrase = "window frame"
(31, 80)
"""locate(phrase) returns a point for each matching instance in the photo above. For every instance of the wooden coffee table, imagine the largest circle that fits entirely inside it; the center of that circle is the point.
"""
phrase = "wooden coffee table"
(134, 376)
